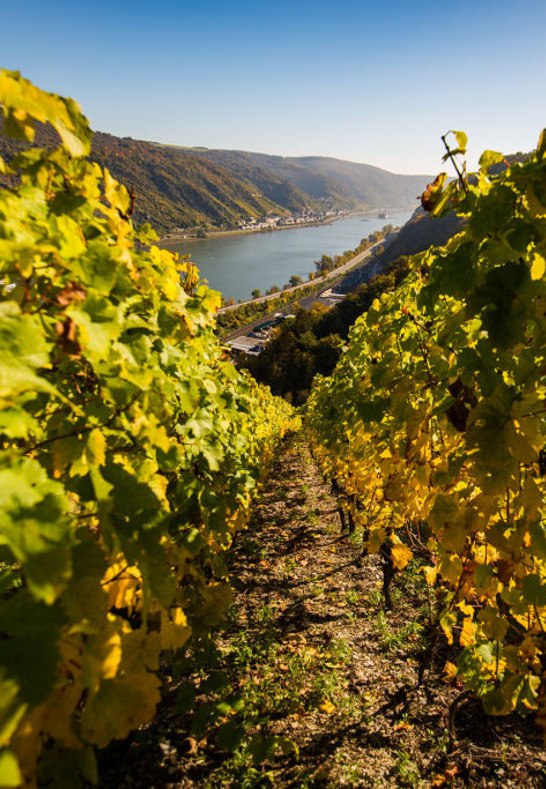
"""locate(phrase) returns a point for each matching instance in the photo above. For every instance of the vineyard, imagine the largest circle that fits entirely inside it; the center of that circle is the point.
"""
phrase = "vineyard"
(133, 456)
(130, 453)
(434, 426)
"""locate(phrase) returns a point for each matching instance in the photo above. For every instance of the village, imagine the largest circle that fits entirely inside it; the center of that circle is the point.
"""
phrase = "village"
(274, 222)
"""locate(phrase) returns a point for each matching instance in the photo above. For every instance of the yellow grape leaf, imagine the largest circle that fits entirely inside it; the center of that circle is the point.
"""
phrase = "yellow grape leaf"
(11, 710)
(159, 486)
(212, 300)
(27, 743)
(116, 193)
(58, 713)
(528, 697)
(96, 448)
(494, 625)
(327, 707)
(468, 632)
(23, 103)
(170, 283)
(518, 445)
(120, 705)
(101, 656)
(465, 608)
(450, 670)
(139, 650)
(149, 427)
(401, 556)
(538, 267)
(174, 631)
(430, 573)
(122, 583)
(451, 568)
(71, 242)
(377, 537)
(66, 452)
(216, 600)
(528, 649)
(10, 774)
(447, 621)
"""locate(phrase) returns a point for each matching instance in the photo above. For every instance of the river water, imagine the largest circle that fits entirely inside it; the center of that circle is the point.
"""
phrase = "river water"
(236, 265)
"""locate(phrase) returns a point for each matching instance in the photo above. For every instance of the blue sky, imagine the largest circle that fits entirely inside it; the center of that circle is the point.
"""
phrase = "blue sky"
(374, 82)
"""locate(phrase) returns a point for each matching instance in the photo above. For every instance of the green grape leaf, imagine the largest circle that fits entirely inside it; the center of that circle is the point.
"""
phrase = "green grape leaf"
(66, 768)
(29, 653)
(33, 524)
(534, 590)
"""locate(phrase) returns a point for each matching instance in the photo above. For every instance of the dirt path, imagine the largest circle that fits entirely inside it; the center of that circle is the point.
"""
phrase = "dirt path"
(319, 685)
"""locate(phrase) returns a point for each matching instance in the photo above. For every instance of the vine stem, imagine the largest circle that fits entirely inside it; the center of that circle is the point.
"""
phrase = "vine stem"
(455, 165)
(85, 429)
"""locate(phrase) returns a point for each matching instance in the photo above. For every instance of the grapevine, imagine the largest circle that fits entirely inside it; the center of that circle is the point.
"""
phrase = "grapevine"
(435, 421)
(130, 449)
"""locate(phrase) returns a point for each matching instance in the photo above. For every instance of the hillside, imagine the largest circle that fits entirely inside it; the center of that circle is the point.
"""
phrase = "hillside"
(174, 188)
(183, 187)
(418, 234)
(336, 182)
(316, 185)
(177, 189)
(367, 185)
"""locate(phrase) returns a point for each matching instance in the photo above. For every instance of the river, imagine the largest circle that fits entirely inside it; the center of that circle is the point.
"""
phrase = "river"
(236, 265)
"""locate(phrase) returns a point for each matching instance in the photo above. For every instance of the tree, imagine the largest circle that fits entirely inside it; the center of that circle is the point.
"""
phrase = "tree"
(326, 263)
(256, 293)
(295, 279)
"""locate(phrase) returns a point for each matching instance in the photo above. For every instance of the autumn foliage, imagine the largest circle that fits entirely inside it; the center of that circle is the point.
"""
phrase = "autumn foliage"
(434, 422)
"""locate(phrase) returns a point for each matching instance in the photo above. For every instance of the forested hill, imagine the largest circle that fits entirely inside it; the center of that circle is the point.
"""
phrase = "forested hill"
(175, 188)
(337, 183)
(366, 184)
(183, 187)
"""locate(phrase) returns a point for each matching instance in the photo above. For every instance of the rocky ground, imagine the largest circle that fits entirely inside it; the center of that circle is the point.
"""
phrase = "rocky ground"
(313, 683)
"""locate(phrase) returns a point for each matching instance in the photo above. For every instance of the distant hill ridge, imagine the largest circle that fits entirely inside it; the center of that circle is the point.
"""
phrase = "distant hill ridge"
(338, 183)
(177, 187)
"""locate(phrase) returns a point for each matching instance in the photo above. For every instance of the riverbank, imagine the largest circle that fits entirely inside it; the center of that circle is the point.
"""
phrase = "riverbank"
(241, 264)
(318, 283)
